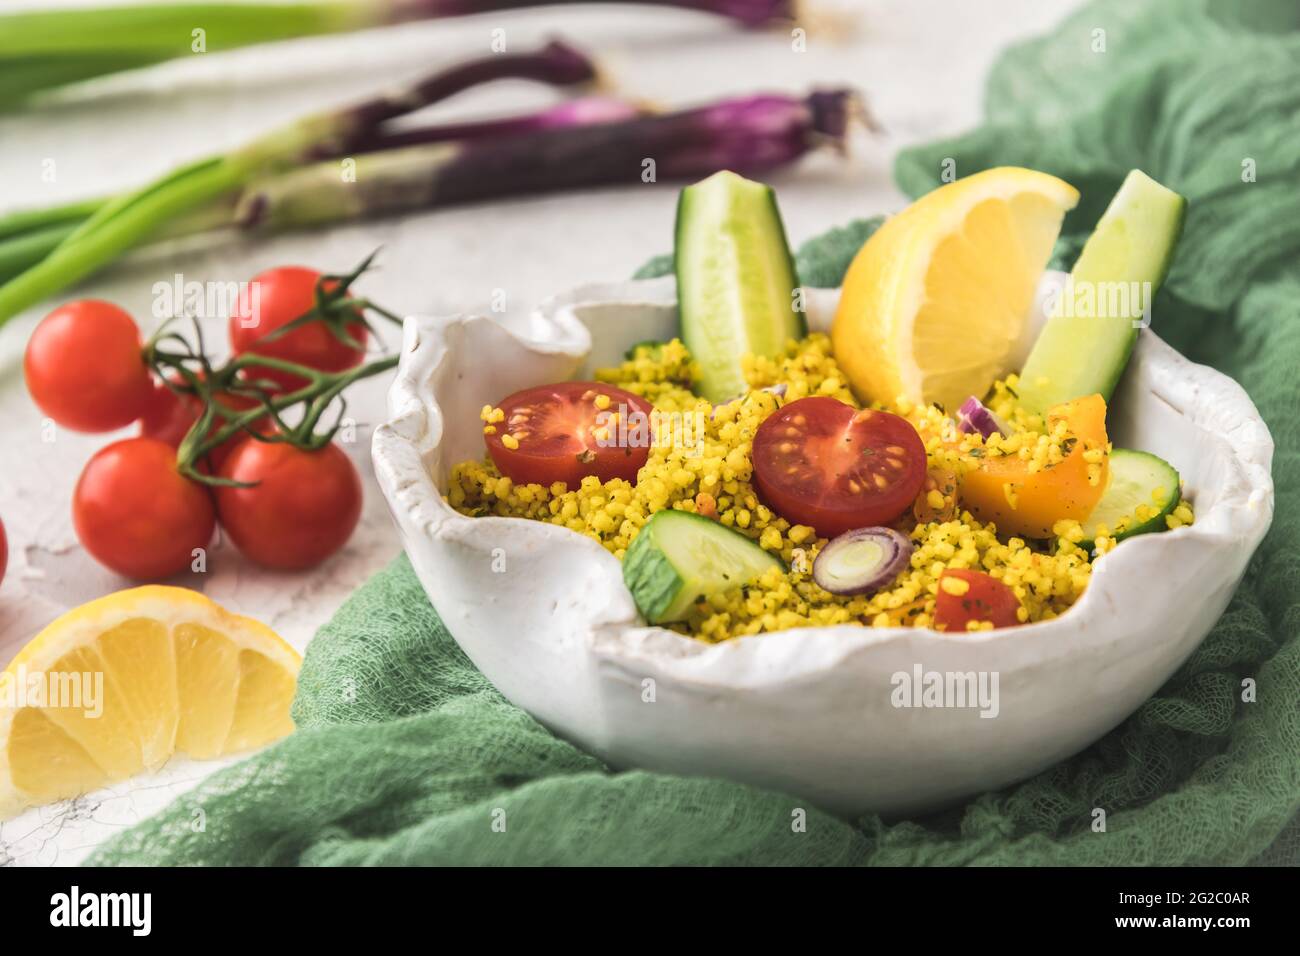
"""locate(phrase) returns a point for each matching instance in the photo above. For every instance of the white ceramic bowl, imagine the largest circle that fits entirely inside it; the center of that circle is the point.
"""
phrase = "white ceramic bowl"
(543, 612)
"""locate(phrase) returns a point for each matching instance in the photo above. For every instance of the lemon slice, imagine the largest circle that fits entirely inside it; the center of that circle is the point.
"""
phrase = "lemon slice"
(936, 303)
(118, 685)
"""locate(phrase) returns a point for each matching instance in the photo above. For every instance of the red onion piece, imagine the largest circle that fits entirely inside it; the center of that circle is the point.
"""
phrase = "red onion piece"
(973, 416)
(862, 561)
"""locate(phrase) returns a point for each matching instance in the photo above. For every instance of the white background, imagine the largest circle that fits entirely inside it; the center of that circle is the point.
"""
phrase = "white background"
(921, 64)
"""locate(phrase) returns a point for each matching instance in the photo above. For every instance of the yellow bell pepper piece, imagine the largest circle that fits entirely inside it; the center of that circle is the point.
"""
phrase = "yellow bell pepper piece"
(1004, 491)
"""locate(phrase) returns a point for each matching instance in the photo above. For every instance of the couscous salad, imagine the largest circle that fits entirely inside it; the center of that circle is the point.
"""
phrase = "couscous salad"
(754, 477)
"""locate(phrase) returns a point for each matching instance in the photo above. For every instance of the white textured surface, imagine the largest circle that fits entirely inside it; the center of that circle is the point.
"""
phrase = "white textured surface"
(921, 62)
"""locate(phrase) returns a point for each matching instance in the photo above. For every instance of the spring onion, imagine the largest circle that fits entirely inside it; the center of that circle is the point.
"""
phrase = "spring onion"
(127, 221)
(27, 237)
(751, 134)
(42, 50)
(577, 112)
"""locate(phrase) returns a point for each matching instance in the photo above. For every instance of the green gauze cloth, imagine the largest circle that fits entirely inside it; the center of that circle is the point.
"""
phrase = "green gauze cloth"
(406, 754)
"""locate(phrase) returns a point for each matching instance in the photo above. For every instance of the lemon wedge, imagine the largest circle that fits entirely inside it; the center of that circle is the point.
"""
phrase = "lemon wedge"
(935, 305)
(118, 685)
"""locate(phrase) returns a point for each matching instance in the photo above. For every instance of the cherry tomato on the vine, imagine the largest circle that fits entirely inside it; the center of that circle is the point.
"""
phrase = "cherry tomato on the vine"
(168, 416)
(85, 368)
(567, 431)
(135, 513)
(820, 462)
(303, 507)
(973, 596)
(271, 301)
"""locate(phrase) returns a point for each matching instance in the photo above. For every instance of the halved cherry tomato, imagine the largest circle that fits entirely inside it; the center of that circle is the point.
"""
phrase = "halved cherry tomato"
(556, 431)
(985, 598)
(823, 463)
(168, 416)
(85, 368)
(275, 298)
(135, 513)
(302, 506)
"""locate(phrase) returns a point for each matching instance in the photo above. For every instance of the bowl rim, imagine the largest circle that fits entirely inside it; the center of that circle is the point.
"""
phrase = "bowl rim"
(414, 428)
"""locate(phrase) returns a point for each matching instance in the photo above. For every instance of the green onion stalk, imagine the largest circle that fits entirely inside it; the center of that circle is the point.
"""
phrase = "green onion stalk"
(42, 50)
(751, 135)
(125, 222)
(17, 223)
(583, 143)
(185, 369)
(28, 237)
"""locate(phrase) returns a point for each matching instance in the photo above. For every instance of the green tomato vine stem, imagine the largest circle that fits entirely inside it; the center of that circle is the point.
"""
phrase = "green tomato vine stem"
(185, 369)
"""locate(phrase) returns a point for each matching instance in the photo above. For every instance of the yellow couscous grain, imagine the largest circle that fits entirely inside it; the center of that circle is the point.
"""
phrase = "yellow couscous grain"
(711, 474)
(954, 586)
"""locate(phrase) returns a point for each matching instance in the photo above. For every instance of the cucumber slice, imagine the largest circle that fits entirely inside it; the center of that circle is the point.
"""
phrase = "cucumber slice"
(1136, 478)
(679, 557)
(735, 279)
(1083, 348)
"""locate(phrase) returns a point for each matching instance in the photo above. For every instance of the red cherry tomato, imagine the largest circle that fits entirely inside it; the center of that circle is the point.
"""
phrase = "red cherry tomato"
(136, 514)
(985, 599)
(557, 431)
(168, 417)
(4, 551)
(274, 299)
(303, 508)
(85, 369)
(820, 462)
